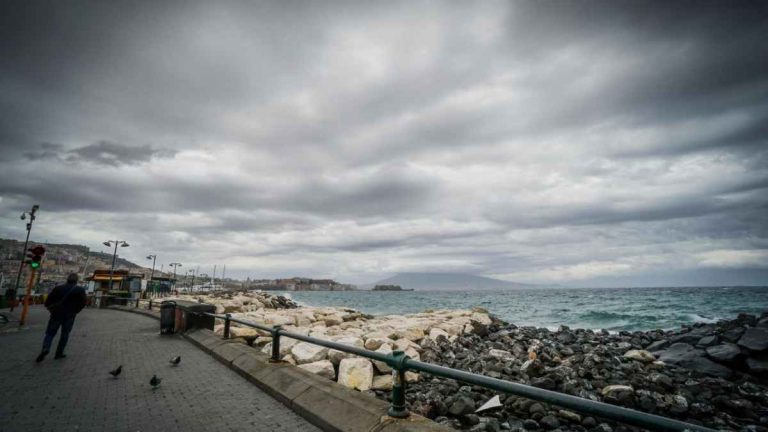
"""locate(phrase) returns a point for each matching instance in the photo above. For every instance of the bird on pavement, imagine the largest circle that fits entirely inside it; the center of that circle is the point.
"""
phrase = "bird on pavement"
(155, 381)
(116, 372)
(175, 361)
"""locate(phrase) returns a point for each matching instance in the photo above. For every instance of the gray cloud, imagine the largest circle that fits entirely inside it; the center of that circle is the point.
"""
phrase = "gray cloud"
(588, 142)
(103, 153)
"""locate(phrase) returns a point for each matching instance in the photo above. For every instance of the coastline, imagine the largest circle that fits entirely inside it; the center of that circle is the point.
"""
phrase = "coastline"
(709, 373)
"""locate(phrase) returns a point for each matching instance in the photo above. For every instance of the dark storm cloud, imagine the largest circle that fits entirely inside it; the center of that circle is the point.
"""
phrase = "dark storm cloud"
(103, 153)
(506, 138)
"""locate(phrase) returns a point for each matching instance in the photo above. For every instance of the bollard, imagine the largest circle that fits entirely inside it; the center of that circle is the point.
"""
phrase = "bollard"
(397, 408)
(150, 303)
(226, 326)
(275, 344)
(137, 302)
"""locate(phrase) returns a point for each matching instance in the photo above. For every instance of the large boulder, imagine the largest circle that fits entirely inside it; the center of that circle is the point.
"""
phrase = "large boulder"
(755, 339)
(724, 353)
(305, 352)
(686, 356)
(324, 368)
(758, 365)
(336, 356)
(356, 373)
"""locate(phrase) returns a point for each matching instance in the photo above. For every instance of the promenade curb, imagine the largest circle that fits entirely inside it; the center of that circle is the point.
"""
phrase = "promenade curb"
(324, 403)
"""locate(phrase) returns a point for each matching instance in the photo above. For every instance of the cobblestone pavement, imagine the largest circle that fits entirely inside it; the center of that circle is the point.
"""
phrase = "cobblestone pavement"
(77, 393)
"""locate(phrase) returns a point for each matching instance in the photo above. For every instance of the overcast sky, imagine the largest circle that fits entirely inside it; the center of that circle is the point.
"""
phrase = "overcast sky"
(583, 143)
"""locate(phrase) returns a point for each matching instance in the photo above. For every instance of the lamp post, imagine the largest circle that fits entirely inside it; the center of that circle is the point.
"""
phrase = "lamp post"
(31, 214)
(174, 265)
(202, 276)
(192, 285)
(154, 259)
(121, 243)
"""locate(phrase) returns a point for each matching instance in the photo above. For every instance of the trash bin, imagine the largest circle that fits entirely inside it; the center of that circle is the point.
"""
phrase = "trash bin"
(167, 317)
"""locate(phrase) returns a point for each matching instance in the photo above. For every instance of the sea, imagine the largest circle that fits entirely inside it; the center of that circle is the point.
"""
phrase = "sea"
(613, 309)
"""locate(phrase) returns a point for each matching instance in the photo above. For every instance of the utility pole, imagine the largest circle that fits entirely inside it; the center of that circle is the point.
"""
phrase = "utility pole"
(213, 279)
(31, 214)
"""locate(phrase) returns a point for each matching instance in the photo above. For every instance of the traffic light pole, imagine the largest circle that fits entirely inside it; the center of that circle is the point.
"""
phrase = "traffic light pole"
(24, 311)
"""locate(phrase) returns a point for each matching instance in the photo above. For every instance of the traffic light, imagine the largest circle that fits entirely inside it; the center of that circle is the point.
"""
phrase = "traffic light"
(35, 256)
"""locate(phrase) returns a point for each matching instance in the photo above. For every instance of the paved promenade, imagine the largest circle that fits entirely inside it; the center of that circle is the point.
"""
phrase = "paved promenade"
(77, 393)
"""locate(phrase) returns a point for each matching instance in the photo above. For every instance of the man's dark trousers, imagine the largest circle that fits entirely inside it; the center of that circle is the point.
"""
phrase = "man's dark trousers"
(65, 322)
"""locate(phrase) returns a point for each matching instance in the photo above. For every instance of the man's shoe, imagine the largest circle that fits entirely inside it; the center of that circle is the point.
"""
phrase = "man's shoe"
(59, 356)
(41, 357)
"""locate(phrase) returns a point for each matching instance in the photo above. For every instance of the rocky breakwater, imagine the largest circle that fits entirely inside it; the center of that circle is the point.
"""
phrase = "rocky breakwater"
(408, 333)
(242, 301)
(710, 374)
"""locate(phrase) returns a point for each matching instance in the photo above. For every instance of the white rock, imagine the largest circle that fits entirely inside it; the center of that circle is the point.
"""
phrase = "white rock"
(373, 343)
(412, 377)
(356, 373)
(305, 352)
(404, 344)
(380, 365)
(323, 368)
(336, 356)
(482, 318)
(501, 354)
(382, 382)
(640, 355)
(437, 332)
(289, 359)
(243, 332)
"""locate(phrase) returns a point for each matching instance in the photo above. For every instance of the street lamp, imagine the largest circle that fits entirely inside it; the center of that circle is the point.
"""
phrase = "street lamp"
(31, 214)
(154, 259)
(174, 265)
(202, 276)
(121, 243)
(187, 273)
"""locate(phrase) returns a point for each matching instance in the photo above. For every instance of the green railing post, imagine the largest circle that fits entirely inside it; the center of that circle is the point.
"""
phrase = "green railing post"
(227, 323)
(275, 344)
(397, 407)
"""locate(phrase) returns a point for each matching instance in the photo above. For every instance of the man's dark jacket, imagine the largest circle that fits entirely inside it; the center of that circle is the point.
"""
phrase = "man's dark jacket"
(73, 297)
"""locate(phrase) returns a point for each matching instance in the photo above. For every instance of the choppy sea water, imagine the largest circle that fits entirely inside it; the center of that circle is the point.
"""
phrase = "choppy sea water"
(594, 308)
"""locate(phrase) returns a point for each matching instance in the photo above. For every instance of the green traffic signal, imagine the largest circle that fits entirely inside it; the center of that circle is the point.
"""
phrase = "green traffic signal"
(34, 264)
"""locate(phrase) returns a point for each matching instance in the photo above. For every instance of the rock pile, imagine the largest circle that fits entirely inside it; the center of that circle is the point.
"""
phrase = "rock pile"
(384, 334)
(229, 301)
(716, 381)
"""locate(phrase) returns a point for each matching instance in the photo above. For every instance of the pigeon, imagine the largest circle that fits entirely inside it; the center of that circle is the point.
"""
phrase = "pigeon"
(175, 361)
(116, 372)
(155, 381)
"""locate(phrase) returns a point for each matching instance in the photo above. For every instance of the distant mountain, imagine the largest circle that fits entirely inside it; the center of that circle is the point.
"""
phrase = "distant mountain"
(449, 282)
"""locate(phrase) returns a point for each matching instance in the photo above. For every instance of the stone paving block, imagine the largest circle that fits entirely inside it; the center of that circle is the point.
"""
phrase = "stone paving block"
(77, 393)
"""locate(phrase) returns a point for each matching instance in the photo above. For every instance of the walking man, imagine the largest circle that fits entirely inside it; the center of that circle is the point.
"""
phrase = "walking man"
(64, 303)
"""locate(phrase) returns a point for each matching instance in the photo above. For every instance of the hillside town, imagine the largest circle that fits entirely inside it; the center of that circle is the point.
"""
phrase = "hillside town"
(93, 267)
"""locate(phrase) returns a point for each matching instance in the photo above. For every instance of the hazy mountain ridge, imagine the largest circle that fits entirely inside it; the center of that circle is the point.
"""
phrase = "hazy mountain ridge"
(449, 282)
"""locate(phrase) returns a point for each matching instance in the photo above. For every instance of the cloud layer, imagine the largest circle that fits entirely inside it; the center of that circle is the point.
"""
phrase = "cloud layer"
(584, 143)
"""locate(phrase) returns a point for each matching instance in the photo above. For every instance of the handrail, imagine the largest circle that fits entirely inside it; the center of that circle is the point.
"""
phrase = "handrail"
(400, 363)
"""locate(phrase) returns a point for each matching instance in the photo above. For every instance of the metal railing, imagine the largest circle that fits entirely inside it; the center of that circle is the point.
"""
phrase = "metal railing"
(400, 363)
